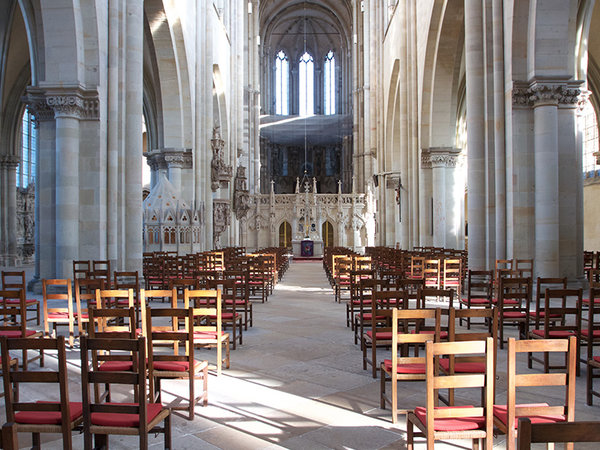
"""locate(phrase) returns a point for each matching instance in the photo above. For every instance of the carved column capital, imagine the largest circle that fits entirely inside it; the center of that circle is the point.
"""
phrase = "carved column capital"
(177, 157)
(50, 102)
(66, 105)
(436, 157)
(9, 161)
(546, 92)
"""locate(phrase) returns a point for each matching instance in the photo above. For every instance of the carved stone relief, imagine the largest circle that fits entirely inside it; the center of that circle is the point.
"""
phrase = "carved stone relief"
(220, 173)
(241, 197)
(221, 219)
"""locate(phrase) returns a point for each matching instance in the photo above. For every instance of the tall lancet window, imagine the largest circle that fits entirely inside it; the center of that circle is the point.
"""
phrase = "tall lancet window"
(307, 82)
(26, 169)
(282, 74)
(330, 83)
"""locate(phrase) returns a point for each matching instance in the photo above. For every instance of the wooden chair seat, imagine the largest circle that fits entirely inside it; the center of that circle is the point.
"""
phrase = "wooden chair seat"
(404, 368)
(17, 334)
(560, 334)
(452, 424)
(49, 417)
(116, 366)
(475, 301)
(154, 414)
(501, 413)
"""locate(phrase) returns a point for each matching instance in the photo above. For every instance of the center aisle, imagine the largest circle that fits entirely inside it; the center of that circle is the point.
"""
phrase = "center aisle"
(297, 382)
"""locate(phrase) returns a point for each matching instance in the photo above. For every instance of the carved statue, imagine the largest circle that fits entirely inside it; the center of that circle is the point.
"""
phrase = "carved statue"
(241, 197)
(220, 173)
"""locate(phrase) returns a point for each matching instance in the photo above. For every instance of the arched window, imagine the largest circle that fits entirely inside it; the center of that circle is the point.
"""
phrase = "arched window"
(26, 169)
(590, 138)
(281, 84)
(330, 83)
(307, 75)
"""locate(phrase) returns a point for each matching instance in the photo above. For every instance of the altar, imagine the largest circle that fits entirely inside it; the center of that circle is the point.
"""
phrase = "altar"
(300, 248)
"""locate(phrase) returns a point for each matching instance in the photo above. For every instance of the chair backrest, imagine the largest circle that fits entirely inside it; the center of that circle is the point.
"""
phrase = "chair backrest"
(417, 265)
(541, 285)
(435, 381)
(81, 269)
(592, 329)
(85, 297)
(562, 318)
(431, 273)
(529, 433)
(59, 409)
(109, 298)
(128, 280)
(66, 297)
(390, 299)
(452, 274)
(181, 284)
(502, 268)
(14, 317)
(166, 331)
(445, 295)
(517, 289)
(480, 284)
(154, 294)
(13, 280)
(524, 267)
(561, 381)
(212, 300)
(101, 269)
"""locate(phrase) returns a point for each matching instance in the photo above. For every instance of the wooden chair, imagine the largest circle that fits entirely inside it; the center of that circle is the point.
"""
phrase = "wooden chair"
(411, 287)
(402, 366)
(81, 269)
(14, 325)
(12, 364)
(529, 433)
(243, 294)
(479, 291)
(123, 298)
(180, 285)
(356, 277)
(344, 267)
(537, 315)
(109, 324)
(417, 267)
(128, 280)
(229, 314)
(58, 315)
(170, 295)
(101, 269)
(590, 337)
(362, 317)
(455, 422)
(85, 297)
(173, 365)
(452, 276)
(505, 416)
(559, 323)
(468, 364)
(432, 273)
(207, 333)
(45, 415)
(524, 268)
(140, 418)
(514, 300)
(14, 281)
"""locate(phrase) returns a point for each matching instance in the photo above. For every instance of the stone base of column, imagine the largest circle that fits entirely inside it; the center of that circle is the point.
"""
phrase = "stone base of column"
(35, 286)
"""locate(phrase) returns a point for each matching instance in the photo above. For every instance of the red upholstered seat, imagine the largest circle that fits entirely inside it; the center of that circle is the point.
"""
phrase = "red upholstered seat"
(48, 417)
(513, 314)
(226, 316)
(116, 366)
(443, 334)
(555, 334)
(171, 366)
(463, 367)
(586, 332)
(58, 315)
(475, 301)
(199, 335)
(597, 359)
(16, 301)
(501, 413)
(16, 333)
(383, 335)
(368, 316)
(587, 300)
(405, 368)
(508, 301)
(452, 424)
(125, 420)
(542, 314)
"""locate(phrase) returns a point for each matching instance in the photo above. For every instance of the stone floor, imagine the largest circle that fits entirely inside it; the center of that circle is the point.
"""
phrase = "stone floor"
(297, 382)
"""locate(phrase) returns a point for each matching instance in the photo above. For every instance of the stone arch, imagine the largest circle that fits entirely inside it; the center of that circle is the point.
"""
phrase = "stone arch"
(169, 62)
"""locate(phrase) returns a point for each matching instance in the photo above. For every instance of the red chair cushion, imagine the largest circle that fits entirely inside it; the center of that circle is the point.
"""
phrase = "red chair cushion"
(597, 358)
(368, 316)
(513, 314)
(405, 368)
(200, 335)
(500, 411)
(116, 366)
(463, 367)
(58, 315)
(171, 366)
(48, 417)
(587, 300)
(476, 301)
(443, 334)
(508, 301)
(586, 332)
(542, 314)
(383, 335)
(16, 333)
(452, 424)
(16, 301)
(125, 420)
(554, 334)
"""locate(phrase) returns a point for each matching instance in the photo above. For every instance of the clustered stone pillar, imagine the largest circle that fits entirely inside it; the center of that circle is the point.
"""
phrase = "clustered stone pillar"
(67, 111)
(8, 214)
(474, 63)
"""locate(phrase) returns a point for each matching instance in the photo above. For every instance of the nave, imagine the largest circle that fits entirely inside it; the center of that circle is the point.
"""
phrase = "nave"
(296, 382)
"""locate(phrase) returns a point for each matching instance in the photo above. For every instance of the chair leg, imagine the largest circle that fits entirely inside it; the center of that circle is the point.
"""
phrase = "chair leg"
(35, 441)
(9, 436)
(382, 390)
(589, 385)
(167, 431)
(409, 435)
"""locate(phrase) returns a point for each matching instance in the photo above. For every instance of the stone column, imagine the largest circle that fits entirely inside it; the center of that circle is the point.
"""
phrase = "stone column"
(67, 112)
(475, 94)
(425, 196)
(11, 163)
(133, 139)
(177, 159)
